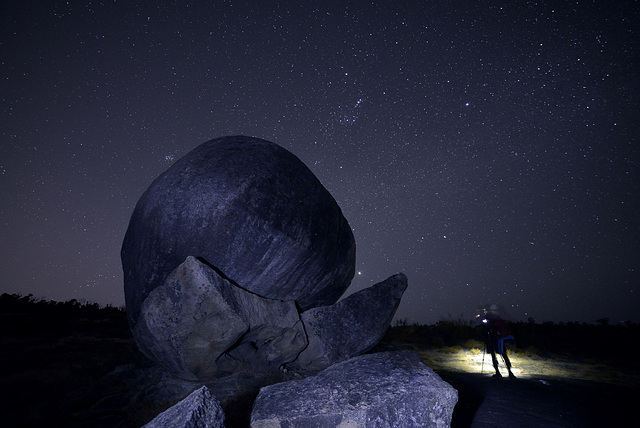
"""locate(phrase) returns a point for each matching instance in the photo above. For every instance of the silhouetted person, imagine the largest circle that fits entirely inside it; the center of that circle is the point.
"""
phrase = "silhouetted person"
(497, 331)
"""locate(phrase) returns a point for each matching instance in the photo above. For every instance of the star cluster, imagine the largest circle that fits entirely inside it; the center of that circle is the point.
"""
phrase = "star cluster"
(489, 150)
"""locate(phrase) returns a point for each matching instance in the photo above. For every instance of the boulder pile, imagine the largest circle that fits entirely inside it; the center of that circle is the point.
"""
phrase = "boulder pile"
(386, 389)
(234, 262)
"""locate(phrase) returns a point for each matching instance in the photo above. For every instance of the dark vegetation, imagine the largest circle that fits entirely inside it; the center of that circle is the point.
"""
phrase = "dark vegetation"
(53, 354)
(601, 340)
(50, 351)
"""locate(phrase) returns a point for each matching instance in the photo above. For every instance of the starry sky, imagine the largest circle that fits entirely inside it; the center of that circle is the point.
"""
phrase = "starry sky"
(487, 149)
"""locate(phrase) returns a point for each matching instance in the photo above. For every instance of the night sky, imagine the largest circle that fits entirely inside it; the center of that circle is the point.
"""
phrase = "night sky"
(489, 150)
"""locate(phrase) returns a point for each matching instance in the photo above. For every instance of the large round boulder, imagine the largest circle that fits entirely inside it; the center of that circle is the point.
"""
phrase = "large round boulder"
(252, 211)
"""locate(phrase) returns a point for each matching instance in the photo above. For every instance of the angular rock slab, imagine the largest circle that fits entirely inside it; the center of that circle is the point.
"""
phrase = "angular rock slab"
(198, 325)
(350, 327)
(199, 409)
(389, 389)
(252, 210)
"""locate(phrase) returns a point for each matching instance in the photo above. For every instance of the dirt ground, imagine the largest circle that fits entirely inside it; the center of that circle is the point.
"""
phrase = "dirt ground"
(530, 367)
(550, 391)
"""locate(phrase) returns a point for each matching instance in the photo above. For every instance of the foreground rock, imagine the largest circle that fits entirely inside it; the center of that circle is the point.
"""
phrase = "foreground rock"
(390, 389)
(251, 210)
(198, 326)
(350, 327)
(199, 409)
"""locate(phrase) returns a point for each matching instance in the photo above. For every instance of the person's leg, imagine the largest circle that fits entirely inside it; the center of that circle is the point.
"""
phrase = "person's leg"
(494, 359)
(508, 363)
(502, 349)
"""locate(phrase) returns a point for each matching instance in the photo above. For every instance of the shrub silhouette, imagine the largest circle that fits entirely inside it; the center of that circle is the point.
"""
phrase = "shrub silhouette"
(601, 340)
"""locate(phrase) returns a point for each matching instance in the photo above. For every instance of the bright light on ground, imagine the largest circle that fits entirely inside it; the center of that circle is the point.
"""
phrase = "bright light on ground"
(522, 366)
(472, 362)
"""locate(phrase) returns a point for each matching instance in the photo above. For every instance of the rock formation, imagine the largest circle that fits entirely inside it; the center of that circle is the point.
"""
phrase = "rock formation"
(198, 325)
(390, 389)
(350, 327)
(250, 209)
(199, 409)
(233, 262)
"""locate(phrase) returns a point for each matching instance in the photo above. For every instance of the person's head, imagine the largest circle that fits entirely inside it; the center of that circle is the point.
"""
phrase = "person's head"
(485, 310)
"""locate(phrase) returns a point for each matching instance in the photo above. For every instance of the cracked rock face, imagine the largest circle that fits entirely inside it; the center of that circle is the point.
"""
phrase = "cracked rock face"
(198, 325)
(251, 210)
(387, 389)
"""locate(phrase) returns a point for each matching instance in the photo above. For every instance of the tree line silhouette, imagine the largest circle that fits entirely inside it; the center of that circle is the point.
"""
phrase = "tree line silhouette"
(603, 339)
(28, 303)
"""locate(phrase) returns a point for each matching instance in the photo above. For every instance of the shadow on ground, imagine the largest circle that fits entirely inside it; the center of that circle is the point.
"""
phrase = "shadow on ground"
(550, 402)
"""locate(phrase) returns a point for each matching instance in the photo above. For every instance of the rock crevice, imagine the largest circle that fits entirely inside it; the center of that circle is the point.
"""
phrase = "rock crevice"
(200, 326)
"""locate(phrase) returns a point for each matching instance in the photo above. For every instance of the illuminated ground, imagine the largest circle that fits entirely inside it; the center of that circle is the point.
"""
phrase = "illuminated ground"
(528, 367)
(550, 390)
